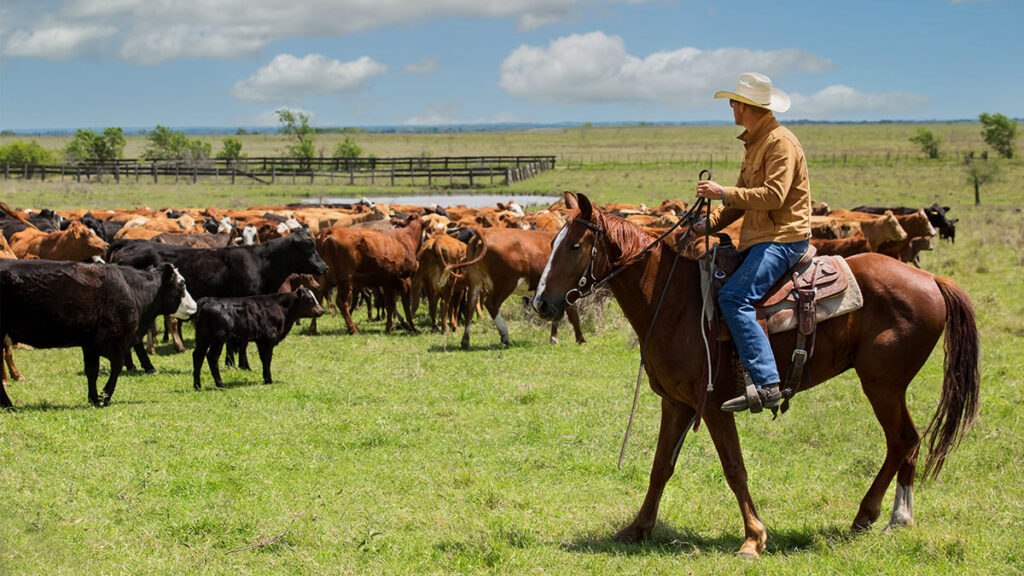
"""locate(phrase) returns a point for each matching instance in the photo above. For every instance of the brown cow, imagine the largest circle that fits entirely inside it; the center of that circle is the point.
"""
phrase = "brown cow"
(877, 229)
(436, 280)
(844, 247)
(507, 258)
(918, 228)
(77, 243)
(369, 259)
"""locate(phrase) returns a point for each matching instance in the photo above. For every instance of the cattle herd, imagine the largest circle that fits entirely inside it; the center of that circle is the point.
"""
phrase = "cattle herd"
(100, 279)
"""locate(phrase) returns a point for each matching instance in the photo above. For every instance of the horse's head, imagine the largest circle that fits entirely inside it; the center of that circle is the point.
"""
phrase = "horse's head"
(569, 272)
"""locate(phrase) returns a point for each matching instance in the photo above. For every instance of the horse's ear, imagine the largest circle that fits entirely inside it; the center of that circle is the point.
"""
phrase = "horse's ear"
(586, 209)
(570, 201)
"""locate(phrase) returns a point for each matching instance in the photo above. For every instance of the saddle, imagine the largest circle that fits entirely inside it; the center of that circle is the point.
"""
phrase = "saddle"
(814, 289)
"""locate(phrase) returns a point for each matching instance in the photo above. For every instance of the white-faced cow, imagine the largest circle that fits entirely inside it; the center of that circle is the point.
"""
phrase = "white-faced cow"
(97, 307)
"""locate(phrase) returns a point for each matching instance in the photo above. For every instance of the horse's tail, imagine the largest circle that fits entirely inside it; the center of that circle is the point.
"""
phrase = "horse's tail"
(958, 403)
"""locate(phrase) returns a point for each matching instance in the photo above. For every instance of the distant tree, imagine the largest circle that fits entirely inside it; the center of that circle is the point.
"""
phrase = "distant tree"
(162, 143)
(232, 149)
(21, 153)
(88, 146)
(7, 133)
(241, 132)
(296, 125)
(979, 171)
(929, 142)
(347, 148)
(999, 132)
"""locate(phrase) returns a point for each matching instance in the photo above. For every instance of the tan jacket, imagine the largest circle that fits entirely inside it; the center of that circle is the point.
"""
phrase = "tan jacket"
(773, 194)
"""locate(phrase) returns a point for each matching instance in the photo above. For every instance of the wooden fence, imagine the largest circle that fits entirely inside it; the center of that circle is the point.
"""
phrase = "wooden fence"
(441, 171)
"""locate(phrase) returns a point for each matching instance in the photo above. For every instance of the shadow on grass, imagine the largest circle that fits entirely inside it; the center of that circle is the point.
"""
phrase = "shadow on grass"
(45, 406)
(670, 541)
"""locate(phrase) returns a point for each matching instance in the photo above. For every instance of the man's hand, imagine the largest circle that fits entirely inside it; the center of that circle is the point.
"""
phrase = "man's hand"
(699, 228)
(709, 189)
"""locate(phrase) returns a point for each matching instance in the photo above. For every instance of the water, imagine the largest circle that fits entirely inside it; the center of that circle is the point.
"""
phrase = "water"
(447, 200)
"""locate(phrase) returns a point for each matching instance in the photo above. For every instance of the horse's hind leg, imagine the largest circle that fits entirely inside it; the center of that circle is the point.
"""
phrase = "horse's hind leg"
(675, 418)
(888, 400)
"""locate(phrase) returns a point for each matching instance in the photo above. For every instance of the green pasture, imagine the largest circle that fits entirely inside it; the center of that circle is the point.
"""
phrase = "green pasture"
(398, 454)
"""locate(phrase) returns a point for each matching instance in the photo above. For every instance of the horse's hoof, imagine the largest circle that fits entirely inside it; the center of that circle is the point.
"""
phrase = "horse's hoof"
(632, 535)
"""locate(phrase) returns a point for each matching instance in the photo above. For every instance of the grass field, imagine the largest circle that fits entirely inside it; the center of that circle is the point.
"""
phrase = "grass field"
(395, 454)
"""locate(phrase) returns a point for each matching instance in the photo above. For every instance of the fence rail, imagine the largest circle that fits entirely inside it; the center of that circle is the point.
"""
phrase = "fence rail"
(474, 170)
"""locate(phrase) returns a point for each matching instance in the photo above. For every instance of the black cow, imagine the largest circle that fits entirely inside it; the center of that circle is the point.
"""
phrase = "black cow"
(102, 228)
(227, 272)
(99, 307)
(45, 220)
(936, 216)
(265, 320)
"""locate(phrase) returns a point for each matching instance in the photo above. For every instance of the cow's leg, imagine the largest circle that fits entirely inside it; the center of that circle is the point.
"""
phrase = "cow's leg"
(722, 427)
(405, 293)
(151, 339)
(391, 310)
(266, 350)
(91, 360)
(432, 310)
(474, 297)
(179, 345)
(493, 305)
(213, 359)
(243, 355)
(9, 360)
(344, 304)
(116, 365)
(144, 361)
(675, 417)
(5, 400)
(197, 361)
(574, 318)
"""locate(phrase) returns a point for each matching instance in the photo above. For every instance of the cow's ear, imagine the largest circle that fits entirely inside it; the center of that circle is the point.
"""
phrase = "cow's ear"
(167, 272)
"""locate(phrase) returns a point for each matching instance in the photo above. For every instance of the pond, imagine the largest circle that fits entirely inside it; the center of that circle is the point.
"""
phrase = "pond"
(468, 200)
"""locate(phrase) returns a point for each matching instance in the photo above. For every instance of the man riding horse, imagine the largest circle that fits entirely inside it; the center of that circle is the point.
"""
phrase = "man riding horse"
(773, 196)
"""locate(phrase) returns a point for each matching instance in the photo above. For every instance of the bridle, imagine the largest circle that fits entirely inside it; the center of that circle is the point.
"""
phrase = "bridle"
(588, 283)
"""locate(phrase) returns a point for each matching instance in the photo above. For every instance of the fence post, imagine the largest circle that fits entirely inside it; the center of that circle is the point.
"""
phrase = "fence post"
(154, 172)
(195, 174)
(393, 174)
(273, 171)
(117, 173)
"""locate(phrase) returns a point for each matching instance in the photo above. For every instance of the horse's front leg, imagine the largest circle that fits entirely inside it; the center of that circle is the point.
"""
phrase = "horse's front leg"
(675, 418)
(722, 427)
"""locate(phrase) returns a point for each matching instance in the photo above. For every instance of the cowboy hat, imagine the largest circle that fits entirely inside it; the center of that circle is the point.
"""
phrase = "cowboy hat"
(757, 90)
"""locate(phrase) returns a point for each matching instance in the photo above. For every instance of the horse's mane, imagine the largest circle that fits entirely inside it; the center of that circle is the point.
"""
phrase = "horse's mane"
(629, 238)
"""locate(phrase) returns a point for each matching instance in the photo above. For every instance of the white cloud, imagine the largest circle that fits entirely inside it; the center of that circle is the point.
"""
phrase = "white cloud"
(595, 68)
(424, 66)
(153, 31)
(289, 78)
(58, 42)
(842, 102)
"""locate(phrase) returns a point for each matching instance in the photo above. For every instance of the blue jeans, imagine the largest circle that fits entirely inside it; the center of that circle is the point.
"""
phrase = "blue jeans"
(762, 267)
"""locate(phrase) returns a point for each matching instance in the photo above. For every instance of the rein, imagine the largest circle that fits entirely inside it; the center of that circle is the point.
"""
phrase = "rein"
(587, 284)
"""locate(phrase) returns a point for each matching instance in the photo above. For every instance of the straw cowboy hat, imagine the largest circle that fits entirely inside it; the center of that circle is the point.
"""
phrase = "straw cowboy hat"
(757, 90)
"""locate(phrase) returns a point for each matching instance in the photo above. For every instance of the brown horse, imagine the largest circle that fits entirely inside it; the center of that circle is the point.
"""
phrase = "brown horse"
(887, 342)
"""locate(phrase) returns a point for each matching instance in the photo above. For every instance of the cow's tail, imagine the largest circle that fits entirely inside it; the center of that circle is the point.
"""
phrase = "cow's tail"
(958, 403)
(16, 216)
(475, 243)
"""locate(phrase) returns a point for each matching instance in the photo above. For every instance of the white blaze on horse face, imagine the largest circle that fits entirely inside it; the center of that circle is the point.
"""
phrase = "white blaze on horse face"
(542, 285)
(187, 306)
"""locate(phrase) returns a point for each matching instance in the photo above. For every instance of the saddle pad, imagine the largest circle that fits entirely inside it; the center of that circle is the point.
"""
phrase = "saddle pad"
(824, 271)
(782, 316)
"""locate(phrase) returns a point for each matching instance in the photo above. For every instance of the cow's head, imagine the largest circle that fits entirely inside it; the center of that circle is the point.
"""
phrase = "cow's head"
(308, 261)
(306, 305)
(174, 297)
(81, 243)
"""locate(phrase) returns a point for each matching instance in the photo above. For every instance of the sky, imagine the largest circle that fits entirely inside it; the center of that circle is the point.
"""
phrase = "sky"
(68, 64)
